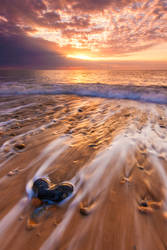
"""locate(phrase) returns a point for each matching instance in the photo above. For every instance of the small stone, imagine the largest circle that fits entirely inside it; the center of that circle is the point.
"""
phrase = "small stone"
(140, 167)
(124, 180)
(162, 126)
(12, 134)
(84, 211)
(145, 210)
(80, 110)
(144, 204)
(19, 146)
(31, 224)
(13, 172)
(127, 115)
(92, 145)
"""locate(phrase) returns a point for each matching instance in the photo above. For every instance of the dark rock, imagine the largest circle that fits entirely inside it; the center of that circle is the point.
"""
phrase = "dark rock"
(144, 204)
(19, 146)
(92, 145)
(80, 110)
(42, 191)
(40, 184)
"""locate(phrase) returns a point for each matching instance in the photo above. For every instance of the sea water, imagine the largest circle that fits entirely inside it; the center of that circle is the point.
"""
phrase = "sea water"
(147, 86)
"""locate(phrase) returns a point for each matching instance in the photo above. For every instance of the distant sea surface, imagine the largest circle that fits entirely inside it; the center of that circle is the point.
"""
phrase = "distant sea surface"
(147, 86)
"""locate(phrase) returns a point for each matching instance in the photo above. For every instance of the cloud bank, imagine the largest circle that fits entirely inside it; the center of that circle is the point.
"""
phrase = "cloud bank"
(97, 27)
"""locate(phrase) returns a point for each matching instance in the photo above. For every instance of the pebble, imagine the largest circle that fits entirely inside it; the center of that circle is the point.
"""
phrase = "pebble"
(140, 167)
(144, 204)
(84, 211)
(19, 146)
(92, 145)
(31, 224)
(145, 210)
(80, 110)
(13, 172)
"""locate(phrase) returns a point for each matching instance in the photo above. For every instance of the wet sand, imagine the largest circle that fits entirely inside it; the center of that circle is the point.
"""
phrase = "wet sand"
(113, 151)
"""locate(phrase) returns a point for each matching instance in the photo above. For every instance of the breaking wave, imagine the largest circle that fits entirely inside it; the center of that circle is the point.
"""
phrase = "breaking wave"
(152, 94)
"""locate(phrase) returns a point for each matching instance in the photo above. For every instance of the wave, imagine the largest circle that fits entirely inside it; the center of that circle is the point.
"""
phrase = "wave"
(152, 94)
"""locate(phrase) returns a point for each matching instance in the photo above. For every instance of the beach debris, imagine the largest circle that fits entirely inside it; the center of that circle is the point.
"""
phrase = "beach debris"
(49, 193)
(19, 146)
(13, 172)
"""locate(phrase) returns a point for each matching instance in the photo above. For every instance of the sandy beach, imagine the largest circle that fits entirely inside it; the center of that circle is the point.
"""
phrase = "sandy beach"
(114, 152)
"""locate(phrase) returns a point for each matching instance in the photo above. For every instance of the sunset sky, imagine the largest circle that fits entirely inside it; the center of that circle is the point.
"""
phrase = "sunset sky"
(83, 33)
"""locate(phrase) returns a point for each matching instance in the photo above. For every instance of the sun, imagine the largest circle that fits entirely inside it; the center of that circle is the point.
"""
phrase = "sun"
(89, 58)
(82, 57)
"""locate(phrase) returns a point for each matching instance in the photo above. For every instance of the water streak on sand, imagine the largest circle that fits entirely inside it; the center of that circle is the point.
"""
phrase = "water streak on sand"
(13, 214)
(56, 152)
(92, 180)
(12, 110)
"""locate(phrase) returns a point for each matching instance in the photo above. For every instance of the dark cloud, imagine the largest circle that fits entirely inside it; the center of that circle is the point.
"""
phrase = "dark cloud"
(18, 50)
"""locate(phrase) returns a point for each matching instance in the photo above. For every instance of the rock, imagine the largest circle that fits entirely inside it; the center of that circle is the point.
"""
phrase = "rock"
(44, 191)
(145, 210)
(19, 146)
(13, 172)
(31, 224)
(12, 134)
(162, 126)
(92, 145)
(144, 204)
(84, 211)
(140, 167)
(80, 110)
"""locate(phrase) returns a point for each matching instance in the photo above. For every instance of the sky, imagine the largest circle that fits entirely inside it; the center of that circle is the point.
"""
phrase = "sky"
(114, 34)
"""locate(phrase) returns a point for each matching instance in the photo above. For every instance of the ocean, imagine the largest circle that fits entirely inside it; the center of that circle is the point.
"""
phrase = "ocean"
(145, 86)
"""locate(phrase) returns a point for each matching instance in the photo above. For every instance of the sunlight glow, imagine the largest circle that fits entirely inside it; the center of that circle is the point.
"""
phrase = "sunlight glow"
(89, 58)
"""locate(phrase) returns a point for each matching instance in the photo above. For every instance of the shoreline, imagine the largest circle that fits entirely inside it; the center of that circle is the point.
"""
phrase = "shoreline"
(114, 151)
